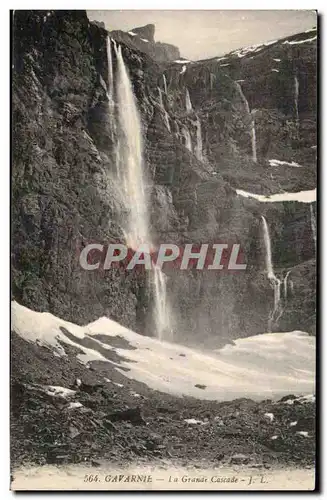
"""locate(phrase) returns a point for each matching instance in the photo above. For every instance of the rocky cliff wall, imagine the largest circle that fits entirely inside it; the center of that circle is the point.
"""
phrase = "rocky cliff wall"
(142, 39)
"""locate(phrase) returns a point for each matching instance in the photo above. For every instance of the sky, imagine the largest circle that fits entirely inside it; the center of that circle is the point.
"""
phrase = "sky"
(201, 34)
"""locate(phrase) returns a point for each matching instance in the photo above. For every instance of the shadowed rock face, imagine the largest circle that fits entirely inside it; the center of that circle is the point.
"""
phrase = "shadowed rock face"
(143, 39)
(65, 194)
(146, 32)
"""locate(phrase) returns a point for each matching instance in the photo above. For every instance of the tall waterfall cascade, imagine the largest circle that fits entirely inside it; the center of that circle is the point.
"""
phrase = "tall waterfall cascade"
(313, 225)
(134, 187)
(198, 149)
(131, 159)
(252, 122)
(188, 102)
(110, 90)
(275, 282)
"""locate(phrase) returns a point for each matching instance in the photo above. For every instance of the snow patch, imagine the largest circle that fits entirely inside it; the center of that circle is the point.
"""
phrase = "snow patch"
(269, 416)
(56, 390)
(308, 398)
(303, 433)
(277, 163)
(44, 329)
(144, 40)
(118, 385)
(183, 70)
(275, 70)
(311, 29)
(132, 33)
(181, 61)
(193, 421)
(301, 196)
(252, 48)
(74, 406)
(277, 60)
(298, 42)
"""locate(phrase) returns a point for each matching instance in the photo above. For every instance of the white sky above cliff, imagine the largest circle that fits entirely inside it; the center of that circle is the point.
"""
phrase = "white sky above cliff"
(208, 33)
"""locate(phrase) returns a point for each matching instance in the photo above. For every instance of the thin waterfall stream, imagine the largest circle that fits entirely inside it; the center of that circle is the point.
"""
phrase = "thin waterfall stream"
(165, 83)
(275, 282)
(188, 102)
(198, 150)
(162, 106)
(187, 137)
(285, 285)
(296, 97)
(252, 122)
(313, 225)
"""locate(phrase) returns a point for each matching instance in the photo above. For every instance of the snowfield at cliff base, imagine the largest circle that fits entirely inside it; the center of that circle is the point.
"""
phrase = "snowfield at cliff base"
(264, 366)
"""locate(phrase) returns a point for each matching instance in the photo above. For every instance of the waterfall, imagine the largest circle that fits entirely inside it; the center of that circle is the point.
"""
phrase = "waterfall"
(198, 150)
(296, 97)
(313, 225)
(165, 83)
(252, 123)
(160, 97)
(161, 311)
(110, 88)
(285, 285)
(110, 71)
(187, 137)
(111, 103)
(212, 80)
(131, 159)
(166, 116)
(177, 129)
(275, 282)
(253, 140)
(189, 107)
(166, 119)
(133, 183)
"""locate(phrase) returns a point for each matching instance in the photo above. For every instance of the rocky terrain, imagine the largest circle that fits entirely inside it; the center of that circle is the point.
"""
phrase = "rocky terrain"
(106, 416)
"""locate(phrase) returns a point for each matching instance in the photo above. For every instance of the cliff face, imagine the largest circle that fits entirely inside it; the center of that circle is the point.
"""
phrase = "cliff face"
(197, 122)
(143, 39)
